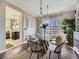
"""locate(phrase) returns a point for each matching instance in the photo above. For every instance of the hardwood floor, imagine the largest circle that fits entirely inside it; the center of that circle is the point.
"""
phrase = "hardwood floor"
(23, 52)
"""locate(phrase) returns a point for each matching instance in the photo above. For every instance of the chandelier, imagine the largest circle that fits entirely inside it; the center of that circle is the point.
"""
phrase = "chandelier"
(43, 25)
(40, 8)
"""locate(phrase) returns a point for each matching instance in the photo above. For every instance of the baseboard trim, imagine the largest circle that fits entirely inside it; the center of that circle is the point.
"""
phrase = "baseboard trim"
(12, 47)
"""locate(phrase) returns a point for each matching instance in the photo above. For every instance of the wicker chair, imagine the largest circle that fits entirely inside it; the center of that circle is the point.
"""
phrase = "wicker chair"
(35, 48)
(56, 50)
(44, 45)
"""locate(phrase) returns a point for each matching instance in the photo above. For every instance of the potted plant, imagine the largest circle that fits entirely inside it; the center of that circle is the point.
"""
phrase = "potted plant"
(68, 26)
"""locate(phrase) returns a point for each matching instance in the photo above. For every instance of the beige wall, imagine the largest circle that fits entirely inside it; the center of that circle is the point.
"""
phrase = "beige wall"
(69, 15)
(39, 23)
(2, 25)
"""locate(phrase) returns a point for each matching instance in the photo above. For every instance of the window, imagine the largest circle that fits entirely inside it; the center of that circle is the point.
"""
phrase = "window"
(53, 28)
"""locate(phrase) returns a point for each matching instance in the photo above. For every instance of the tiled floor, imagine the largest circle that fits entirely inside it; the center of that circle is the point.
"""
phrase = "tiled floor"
(21, 52)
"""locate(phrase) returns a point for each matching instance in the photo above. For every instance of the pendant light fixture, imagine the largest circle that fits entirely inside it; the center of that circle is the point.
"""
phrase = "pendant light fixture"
(44, 25)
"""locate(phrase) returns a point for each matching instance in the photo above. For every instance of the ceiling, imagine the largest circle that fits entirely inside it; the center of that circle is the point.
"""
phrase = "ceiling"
(55, 6)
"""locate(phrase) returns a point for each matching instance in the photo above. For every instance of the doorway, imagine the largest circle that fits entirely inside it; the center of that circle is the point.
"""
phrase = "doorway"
(13, 27)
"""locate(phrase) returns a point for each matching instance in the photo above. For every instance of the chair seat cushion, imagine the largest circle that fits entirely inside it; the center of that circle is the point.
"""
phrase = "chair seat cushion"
(51, 47)
(53, 42)
(53, 39)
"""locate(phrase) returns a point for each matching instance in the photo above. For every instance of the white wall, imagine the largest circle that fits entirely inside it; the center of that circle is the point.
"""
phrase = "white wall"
(2, 25)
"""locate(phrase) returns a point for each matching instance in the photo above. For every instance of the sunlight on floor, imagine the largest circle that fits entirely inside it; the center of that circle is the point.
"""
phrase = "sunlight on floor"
(13, 43)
